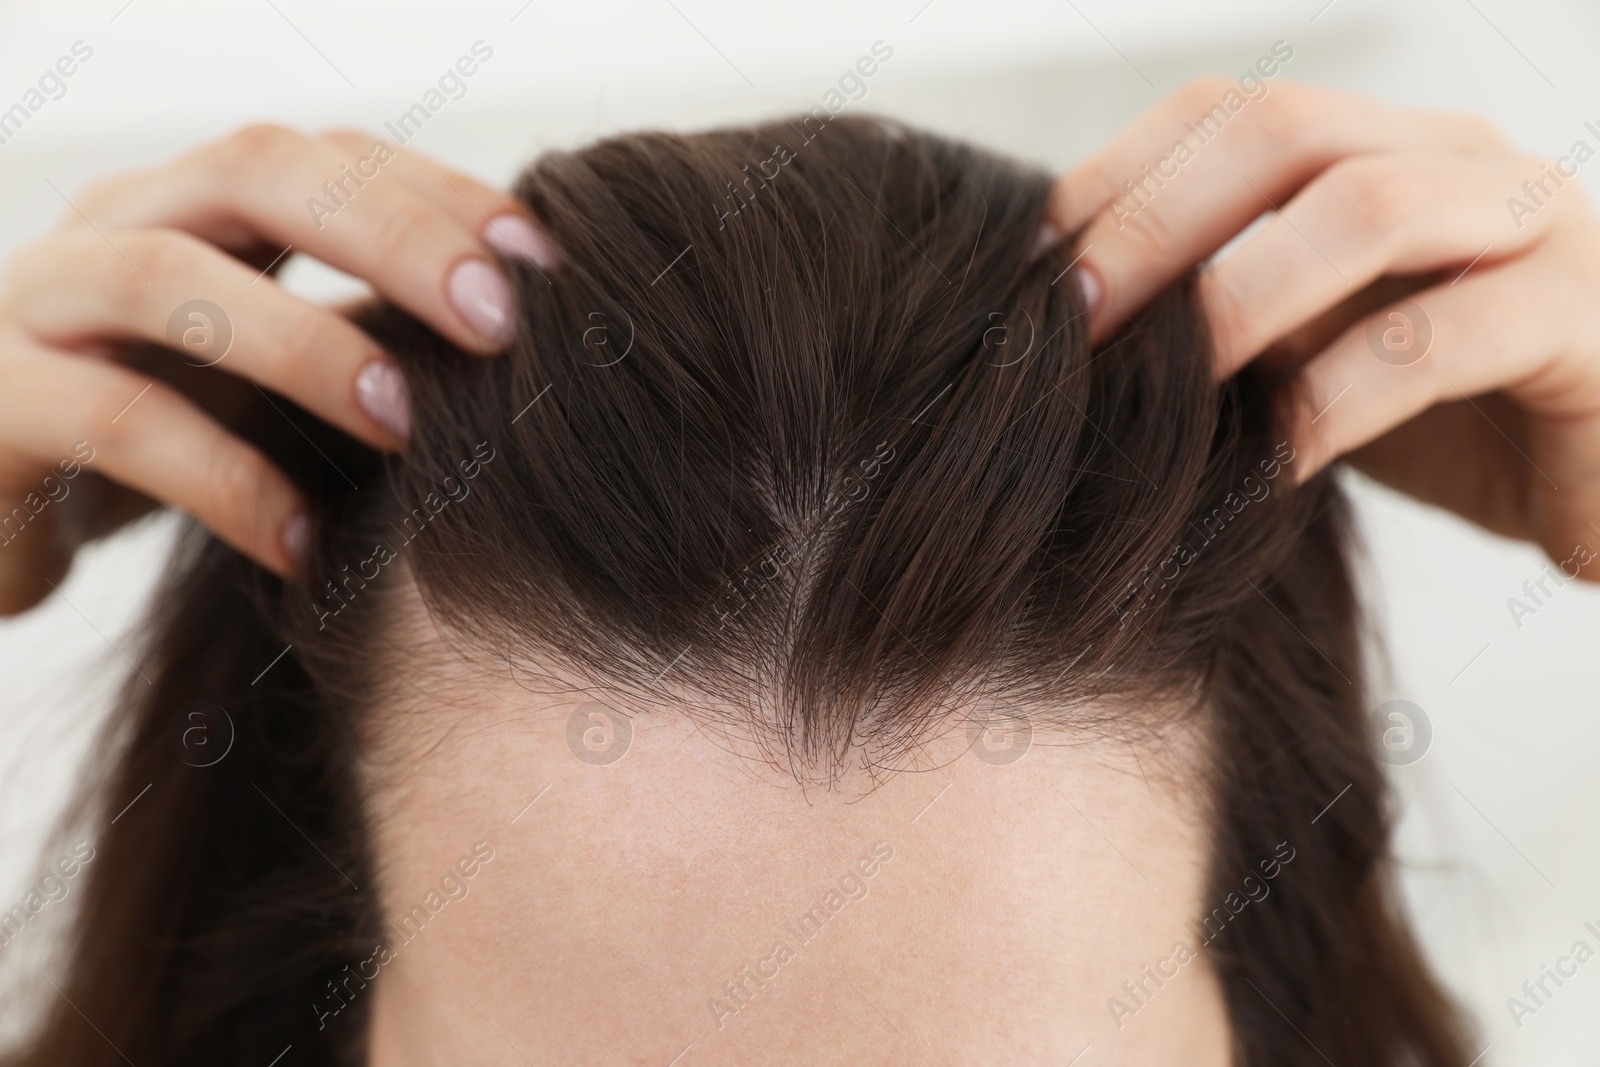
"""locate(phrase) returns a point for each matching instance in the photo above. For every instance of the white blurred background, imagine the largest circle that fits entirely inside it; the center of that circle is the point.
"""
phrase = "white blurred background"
(1500, 868)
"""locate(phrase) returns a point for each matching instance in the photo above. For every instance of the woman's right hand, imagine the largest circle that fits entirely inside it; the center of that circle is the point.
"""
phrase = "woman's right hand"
(134, 251)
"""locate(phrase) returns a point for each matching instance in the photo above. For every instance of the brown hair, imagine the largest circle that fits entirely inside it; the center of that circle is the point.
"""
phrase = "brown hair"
(825, 434)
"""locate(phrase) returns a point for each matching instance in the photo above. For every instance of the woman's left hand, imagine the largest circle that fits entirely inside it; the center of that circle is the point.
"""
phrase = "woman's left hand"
(1439, 290)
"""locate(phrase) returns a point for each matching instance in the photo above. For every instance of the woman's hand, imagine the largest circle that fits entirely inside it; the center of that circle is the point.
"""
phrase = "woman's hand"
(136, 251)
(1439, 290)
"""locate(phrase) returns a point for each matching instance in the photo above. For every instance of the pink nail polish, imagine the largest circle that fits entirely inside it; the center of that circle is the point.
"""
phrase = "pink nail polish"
(1089, 285)
(483, 297)
(382, 393)
(296, 537)
(1047, 239)
(518, 238)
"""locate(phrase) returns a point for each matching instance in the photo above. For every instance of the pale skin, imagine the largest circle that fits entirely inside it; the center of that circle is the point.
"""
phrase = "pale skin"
(1500, 422)
(583, 930)
(136, 247)
(624, 898)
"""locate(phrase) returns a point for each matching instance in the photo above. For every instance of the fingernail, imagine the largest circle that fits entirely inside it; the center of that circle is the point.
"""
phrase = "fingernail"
(1047, 239)
(296, 538)
(483, 297)
(381, 390)
(515, 236)
(1089, 285)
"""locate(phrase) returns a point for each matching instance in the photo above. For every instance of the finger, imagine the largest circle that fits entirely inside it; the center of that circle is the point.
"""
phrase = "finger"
(147, 436)
(168, 287)
(1287, 124)
(1454, 455)
(1364, 217)
(271, 183)
(502, 221)
(1501, 329)
(1192, 171)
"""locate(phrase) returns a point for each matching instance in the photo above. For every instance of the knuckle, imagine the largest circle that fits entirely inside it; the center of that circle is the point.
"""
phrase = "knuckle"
(97, 407)
(1476, 129)
(298, 349)
(348, 139)
(164, 254)
(1147, 233)
(99, 196)
(253, 146)
(122, 292)
(1074, 201)
(1285, 118)
(1200, 93)
(31, 260)
(104, 415)
(1375, 197)
(234, 484)
(400, 227)
(309, 343)
(1554, 172)
(1436, 383)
